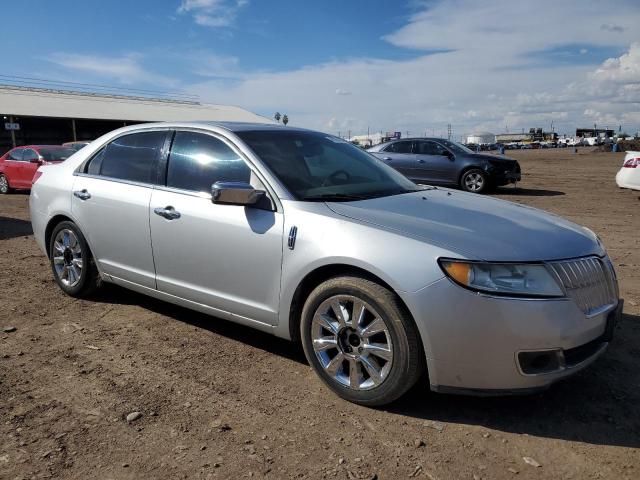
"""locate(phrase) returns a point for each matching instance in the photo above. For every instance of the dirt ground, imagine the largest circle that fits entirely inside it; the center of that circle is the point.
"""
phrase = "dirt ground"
(222, 401)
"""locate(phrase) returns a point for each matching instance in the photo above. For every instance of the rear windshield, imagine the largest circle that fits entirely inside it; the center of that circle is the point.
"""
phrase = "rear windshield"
(56, 154)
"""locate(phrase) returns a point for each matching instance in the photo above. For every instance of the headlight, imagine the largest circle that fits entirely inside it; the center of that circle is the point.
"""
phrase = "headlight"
(529, 280)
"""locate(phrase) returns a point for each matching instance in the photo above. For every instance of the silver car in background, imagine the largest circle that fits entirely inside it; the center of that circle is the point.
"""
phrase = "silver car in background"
(302, 235)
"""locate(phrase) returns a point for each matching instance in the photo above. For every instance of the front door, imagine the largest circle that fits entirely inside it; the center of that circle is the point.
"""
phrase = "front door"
(224, 256)
(111, 205)
(435, 163)
(30, 163)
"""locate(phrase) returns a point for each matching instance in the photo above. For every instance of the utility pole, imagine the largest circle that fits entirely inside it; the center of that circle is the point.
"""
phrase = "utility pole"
(449, 131)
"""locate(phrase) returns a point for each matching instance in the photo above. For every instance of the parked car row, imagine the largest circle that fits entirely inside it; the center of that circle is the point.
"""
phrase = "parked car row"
(302, 235)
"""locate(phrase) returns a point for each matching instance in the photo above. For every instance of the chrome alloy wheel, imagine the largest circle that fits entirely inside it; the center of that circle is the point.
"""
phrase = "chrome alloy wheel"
(67, 257)
(352, 342)
(474, 181)
(4, 184)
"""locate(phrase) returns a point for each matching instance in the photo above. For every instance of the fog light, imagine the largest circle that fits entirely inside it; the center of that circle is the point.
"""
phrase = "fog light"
(545, 361)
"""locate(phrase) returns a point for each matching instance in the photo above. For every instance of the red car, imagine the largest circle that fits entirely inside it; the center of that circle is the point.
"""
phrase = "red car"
(19, 165)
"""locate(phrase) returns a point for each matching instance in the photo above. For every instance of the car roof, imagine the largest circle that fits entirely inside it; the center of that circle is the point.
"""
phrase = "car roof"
(230, 126)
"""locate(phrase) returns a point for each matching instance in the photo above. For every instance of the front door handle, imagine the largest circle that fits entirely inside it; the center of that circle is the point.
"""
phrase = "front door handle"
(386, 159)
(420, 160)
(167, 212)
(82, 194)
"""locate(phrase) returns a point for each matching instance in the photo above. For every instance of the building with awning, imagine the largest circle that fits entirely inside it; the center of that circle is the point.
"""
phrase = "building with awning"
(40, 116)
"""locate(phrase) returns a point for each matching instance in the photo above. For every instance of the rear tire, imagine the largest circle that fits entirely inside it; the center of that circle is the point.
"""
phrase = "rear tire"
(4, 185)
(361, 341)
(474, 180)
(71, 261)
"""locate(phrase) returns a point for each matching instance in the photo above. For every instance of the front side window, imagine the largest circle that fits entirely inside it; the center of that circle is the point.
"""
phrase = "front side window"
(197, 161)
(431, 148)
(399, 147)
(130, 157)
(29, 155)
(16, 154)
(315, 167)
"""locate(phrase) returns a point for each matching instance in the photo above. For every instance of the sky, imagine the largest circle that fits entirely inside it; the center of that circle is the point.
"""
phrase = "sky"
(350, 66)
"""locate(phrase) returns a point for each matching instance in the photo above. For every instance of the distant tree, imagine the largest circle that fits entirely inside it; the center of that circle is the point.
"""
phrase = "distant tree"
(285, 119)
(277, 116)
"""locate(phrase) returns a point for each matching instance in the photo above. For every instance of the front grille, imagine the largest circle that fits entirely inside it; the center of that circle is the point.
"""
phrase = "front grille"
(588, 282)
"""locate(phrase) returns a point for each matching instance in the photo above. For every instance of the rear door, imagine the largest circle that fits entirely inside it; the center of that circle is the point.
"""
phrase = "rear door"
(111, 204)
(228, 257)
(12, 167)
(434, 162)
(399, 156)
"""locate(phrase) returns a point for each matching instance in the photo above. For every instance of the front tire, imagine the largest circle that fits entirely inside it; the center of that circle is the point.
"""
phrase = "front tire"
(474, 180)
(4, 185)
(361, 341)
(71, 261)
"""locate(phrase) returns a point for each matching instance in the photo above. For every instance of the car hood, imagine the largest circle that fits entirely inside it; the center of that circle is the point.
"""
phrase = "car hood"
(477, 227)
(494, 158)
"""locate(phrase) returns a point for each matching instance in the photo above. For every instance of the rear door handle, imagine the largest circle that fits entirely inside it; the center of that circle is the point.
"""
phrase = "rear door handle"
(82, 194)
(420, 160)
(167, 212)
(386, 159)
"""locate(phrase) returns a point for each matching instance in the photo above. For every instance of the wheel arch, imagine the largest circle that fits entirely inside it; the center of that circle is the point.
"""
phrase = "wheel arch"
(322, 273)
(55, 220)
(471, 166)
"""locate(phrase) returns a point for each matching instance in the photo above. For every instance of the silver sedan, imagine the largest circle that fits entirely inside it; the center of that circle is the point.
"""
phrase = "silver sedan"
(305, 236)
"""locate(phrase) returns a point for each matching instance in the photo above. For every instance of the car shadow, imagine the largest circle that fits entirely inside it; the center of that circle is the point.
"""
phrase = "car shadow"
(14, 227)
(597, 406)
(117, 295)
(526, 192)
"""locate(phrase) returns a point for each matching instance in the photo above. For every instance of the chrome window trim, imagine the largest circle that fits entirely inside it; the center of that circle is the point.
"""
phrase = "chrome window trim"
(115, 180)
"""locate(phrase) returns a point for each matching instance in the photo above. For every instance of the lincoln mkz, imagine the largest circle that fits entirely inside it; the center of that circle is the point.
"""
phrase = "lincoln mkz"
(305, 236)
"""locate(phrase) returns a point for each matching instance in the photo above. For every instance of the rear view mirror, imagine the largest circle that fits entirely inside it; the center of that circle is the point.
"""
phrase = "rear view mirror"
(236, 193)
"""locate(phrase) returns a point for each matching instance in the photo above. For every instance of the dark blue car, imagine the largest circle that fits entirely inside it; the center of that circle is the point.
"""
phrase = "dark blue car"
(443, 162)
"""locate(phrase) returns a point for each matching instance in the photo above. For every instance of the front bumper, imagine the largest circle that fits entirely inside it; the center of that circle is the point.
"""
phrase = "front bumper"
(473, 341)
(507, 178)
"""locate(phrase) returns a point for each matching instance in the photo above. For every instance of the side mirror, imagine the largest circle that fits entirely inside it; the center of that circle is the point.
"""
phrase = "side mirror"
(236, 193)
(35, 160)
(449, 155)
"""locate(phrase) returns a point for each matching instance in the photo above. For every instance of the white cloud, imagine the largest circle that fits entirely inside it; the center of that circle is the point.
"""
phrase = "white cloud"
(125, 69)
(486, 78)
(212, 13)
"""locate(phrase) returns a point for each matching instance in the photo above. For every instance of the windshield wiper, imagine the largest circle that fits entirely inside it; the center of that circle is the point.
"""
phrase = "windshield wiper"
(334, 197)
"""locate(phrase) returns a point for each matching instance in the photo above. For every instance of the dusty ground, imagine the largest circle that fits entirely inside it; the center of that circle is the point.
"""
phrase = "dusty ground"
(219, 400)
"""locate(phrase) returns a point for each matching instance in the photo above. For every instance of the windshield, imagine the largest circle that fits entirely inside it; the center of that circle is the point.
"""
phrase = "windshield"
(314, 166)
(56, 154)
(457, 147)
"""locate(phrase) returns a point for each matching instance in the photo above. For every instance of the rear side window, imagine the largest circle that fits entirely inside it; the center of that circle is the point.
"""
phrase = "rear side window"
(399, 147)
(130, 157)
(197, 161)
